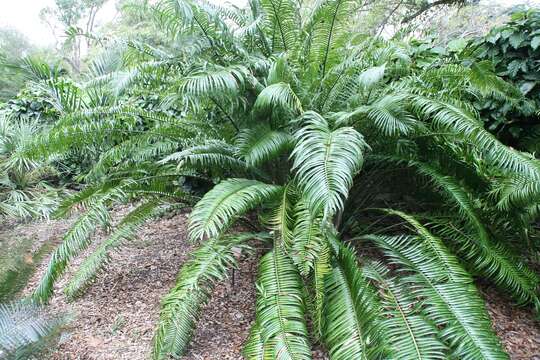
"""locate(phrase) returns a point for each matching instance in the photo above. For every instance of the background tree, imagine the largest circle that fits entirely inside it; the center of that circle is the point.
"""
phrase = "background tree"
(13, 46)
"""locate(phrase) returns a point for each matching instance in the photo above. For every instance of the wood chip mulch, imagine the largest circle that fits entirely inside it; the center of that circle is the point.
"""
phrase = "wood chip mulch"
(116, 317)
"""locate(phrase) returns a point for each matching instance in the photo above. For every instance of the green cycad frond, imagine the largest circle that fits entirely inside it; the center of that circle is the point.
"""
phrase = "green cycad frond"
(453, 305)
(181, 306)
(325, 162)
(482, 76)
(281, 218)
(449, 267)
(125, 230)
(183, 16)
(327, 30)
(497, 263)
(135, 150)
(211, 155)
(455, 118)
(371, 77)
(280, 308)
(214, 82)
(517, 191)
(388, 114)
(64, 95)
(260, 144)
(24, 327)
(351, 328)
(410, 334)
(278, 95)
(491, 259)
(217, 210)
(254, 347)
(74, 241)
(282, 23)
(309, 239)
(390, 117)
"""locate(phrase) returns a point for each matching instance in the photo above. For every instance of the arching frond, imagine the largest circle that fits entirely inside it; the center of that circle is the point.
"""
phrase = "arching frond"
(325, 162)
(309, 239)
(278, 95)
(214, 81)
(491, 259)
(327, 30)
(24, 329)
(280, 308)
(351, 327)
(211, 155)
(410, 334)
(452, 117)
(216, 211)
(181, 306)
(454, 305)
(254, 346)
(282, 23)
(260, 144)
(125, 230)
(75, 240)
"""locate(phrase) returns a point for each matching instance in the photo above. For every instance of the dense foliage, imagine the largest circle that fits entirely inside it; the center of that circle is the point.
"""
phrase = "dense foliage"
(514, 51)
(368, 179)
(24, 330)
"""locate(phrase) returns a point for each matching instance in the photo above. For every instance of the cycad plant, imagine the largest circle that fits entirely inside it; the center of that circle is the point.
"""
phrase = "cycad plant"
(337, 148)
(25, 329)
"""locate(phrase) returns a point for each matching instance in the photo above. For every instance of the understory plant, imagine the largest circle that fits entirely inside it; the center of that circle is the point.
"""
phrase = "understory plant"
(377, 193)
(25, 330)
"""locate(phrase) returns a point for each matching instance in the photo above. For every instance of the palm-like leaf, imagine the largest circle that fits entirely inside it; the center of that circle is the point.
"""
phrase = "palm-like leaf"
(282, 23)
(351, 328)
(182, 305)
(449, 297)
(278, 95)
(261, 144)
(24, 329)
(216, 211)
(280, 308)
(99, 258)
(75, 240)
(410, 334)
(326, 162)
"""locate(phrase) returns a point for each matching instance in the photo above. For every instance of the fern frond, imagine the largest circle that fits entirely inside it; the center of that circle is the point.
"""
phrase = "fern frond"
(125, 230)
(280, 308)
(254, 346)
(351, 328)
(24, 327)
(214, 82)
(455, 118)
(181, 306)
(325, 162)
(219, 207)
(454, 305)
(278, 95)
(74, 241)
(309, 239)
(211, 155)
(491, 259)
(327, 30)
(282, 23)
(260, 144)
(410, 334)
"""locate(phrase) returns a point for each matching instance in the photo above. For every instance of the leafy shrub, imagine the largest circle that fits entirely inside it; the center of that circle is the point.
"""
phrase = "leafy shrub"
(514, 51)
(335, 143)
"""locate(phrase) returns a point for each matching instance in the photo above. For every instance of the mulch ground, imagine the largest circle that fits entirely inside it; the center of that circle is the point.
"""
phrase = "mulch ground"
(116, 317)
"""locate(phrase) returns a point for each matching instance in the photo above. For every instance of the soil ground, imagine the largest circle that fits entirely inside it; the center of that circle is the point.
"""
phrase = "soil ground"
(115, 318)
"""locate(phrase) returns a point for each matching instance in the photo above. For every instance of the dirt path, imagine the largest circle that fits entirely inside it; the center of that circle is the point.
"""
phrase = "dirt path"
(116, 317)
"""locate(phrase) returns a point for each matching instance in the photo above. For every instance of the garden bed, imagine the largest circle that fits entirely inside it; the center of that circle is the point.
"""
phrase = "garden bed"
(116, 317)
